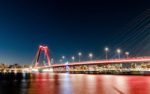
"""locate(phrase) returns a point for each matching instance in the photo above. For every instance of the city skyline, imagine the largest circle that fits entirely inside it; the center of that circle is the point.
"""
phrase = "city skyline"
(70, 27)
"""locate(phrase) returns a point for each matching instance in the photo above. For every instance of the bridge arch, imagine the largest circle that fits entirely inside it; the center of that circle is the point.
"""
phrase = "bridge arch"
(42, 48)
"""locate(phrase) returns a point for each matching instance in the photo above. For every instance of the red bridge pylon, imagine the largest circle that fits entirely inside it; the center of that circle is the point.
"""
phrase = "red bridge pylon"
(42, 48)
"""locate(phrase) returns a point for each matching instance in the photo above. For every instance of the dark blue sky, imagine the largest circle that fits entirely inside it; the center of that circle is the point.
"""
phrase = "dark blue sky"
(67, 27)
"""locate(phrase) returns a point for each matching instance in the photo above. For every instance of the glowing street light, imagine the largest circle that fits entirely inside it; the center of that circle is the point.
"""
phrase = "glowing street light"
(90, 56)
(63, 57)
(79, 54)
(73, 58)
(106, 52)
(127, 54)
(118, 52)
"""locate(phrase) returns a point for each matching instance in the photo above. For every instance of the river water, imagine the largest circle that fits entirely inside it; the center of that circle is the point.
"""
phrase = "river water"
(46, 83)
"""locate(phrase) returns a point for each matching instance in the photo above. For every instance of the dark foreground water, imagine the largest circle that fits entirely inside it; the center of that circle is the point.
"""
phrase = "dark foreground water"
(45, 83)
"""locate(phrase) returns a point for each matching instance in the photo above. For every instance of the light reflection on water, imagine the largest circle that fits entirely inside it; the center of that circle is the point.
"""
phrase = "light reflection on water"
(45, 83)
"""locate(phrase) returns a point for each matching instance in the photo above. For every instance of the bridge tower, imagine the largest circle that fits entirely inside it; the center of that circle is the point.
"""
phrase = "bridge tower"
(42, 48)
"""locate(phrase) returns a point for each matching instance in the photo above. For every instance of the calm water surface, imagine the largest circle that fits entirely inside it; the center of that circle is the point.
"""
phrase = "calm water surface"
(45, 83)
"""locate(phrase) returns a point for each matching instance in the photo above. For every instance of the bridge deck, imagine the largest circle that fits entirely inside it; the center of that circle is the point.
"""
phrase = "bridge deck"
(129, 60)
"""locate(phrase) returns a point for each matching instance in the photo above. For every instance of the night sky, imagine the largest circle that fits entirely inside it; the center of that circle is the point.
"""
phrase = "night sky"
(68, 27)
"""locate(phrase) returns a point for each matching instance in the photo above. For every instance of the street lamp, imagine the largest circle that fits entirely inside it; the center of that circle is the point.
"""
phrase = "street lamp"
(127, 54)
(73, 58)
(79, 54)
(63, 58)
(52, 60)
(90, 56)
(106, 52)
(60, 60)
(118, 52)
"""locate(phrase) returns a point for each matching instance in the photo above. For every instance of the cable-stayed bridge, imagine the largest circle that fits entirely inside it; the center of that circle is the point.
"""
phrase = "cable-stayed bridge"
(121, 65)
